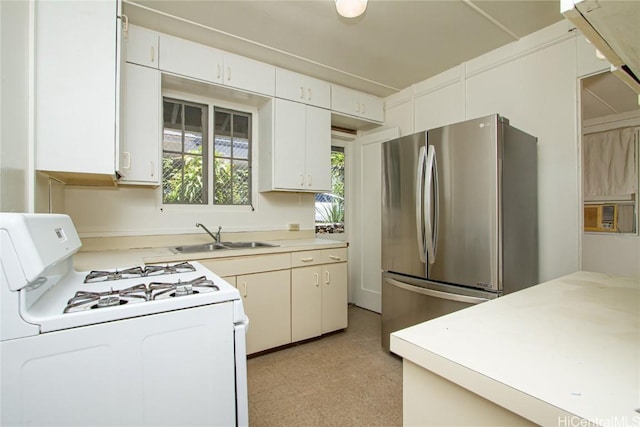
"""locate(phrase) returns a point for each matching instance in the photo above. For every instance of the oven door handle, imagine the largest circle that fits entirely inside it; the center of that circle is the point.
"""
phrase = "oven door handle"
(437, 294)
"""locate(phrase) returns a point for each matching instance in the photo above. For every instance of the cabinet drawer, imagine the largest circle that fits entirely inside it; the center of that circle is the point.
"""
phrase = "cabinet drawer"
(323, 256)
(334, 255)
(248, 264)
(305, 258)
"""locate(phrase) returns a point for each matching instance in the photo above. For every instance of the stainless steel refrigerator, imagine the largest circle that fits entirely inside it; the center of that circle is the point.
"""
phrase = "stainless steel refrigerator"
(459, 219)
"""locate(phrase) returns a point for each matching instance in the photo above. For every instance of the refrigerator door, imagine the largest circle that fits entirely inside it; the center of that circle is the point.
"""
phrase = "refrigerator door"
(466, 223)
(403, 224)
(407, 301)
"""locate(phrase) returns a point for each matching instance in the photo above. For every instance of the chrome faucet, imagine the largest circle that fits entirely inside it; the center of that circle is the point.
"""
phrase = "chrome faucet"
(216, 237)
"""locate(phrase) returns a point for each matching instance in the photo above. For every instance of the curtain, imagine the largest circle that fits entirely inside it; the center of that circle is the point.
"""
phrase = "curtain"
(610, 164)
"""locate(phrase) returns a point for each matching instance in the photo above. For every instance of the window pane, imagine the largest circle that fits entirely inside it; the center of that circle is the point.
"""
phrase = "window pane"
(172, 113)
(172, 139)
(222, 123)
(240, 148)
(193, 118)
(222, 146)
(240, 175)
(330, 206)
(171, 178)
(193, 142)
(193, 186)
(241, 126)
(223, 188)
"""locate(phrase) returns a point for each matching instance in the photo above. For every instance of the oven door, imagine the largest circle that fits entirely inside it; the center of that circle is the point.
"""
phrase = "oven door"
(173, 368)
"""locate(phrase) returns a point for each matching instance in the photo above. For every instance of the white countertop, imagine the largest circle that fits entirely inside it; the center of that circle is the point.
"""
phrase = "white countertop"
(124, 258)
(567, 346)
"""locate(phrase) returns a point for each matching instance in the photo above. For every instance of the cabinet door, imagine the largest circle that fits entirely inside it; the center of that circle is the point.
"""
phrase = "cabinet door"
(267, 302)
(190, 59)
(318, 150)
(356, 103)
(289, 145)
(301, 88)
(306, 303)
(141, 46)
(247, 74)
(334, 297)
(75, 79)
(141, 125)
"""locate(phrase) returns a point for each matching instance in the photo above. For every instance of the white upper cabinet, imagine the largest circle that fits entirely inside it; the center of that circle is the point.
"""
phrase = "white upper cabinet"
(301, 88)
(299, 156)
(76, 83)
(194, 60)
(247, 74)
(190, 59)
(357, 104)
(142, 122)
(141, 46)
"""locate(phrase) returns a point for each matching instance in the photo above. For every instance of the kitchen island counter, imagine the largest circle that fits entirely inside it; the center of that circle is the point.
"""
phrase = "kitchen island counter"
(558, 353)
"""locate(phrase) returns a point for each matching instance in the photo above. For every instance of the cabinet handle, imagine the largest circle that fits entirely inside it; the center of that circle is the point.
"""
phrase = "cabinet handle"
(309, 93)
(309, 180)
(301, 92)
(228, 73)
(328, 277)
(334, 257)
(317, 280)
(309, 259)
(244, 284)
(153, 54)
(301, 179)
(125, 23)
(364, 108)
(127, 160)
(218, 75)
(357, 107)
(152, 170)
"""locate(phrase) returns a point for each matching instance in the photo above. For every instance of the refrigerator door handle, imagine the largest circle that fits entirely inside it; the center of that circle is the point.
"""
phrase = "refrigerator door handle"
(436, 216)
(436, 294)
(419, 206)
(431, 154)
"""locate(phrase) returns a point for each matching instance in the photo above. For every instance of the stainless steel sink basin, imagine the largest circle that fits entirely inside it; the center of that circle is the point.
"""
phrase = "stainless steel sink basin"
(245, 245)
(206, 247)
(210, 247)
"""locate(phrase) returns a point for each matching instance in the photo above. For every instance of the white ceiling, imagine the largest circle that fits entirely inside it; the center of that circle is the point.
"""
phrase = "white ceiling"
(606, 95)
(392, 46)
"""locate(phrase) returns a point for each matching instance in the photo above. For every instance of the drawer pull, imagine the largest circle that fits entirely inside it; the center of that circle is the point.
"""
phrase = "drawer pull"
(317, 280)
(328, 280)
(335, 257)
(309, 259)
(245, 289)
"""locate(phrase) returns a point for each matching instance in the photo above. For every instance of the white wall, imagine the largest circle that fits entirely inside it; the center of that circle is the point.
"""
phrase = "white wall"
(14, 106)
(99, 211)
(532, 82)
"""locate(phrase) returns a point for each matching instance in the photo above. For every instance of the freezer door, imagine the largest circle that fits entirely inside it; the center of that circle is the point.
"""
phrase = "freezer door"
(407, 301)
(403, 225)
(466, 226)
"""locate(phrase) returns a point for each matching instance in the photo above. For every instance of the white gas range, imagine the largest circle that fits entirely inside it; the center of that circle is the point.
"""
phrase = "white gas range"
(148, 345)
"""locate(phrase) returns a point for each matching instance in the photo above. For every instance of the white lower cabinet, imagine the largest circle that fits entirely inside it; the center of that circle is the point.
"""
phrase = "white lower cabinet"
(318, 293)
(266, 298)
(290, 296)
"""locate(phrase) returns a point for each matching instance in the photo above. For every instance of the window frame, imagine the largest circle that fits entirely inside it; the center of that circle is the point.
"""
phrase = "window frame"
(214, 101)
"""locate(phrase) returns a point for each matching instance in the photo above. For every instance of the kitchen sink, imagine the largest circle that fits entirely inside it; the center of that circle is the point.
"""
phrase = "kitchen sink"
(210, 247)
(207, 247)
(246, 245)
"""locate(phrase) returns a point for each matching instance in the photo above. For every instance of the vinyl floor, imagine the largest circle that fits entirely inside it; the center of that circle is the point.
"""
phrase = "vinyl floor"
(343, 379)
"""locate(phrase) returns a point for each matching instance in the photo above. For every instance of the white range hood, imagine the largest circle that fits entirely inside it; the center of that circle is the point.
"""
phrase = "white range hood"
(613, 27)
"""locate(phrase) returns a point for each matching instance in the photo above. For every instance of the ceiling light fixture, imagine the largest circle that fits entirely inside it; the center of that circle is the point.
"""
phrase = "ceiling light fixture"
(351, 8)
